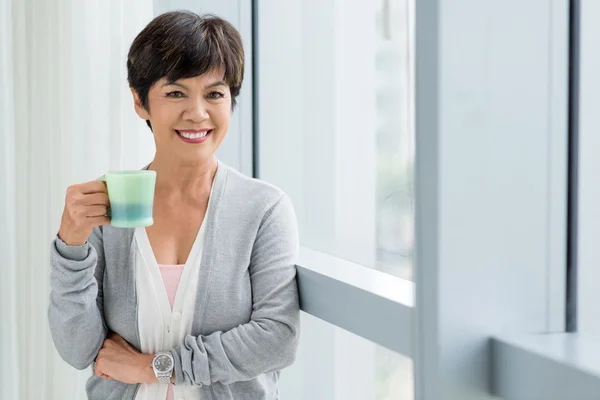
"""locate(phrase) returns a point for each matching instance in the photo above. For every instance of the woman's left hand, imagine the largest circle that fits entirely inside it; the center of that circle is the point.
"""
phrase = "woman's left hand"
(118, 360)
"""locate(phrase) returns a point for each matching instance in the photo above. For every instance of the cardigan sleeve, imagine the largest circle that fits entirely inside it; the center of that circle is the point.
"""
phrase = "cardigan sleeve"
(268, 342)
(76, 303)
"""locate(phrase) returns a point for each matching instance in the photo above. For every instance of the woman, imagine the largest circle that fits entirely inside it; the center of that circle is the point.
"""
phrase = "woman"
(205, 300)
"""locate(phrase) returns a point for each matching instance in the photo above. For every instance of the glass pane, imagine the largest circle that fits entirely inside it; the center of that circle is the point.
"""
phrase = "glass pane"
(333, 364)
(395, 137)
(335, 106)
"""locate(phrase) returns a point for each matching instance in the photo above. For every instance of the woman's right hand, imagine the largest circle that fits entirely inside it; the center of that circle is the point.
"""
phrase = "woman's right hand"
(85, 208)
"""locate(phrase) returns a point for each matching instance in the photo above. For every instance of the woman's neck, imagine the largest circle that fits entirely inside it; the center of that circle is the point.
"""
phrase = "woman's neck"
(184, 179)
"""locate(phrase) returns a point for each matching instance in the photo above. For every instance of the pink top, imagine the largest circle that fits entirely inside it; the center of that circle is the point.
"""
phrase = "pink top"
(171, 274)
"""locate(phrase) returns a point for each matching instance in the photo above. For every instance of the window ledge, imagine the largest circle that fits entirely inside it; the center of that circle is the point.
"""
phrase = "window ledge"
(546, 366)
(357, 298)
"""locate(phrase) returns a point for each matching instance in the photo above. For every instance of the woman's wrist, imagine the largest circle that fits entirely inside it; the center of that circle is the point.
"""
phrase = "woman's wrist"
(146, 366)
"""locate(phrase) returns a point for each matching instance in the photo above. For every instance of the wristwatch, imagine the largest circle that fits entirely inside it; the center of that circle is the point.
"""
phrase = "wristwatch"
(162, 364)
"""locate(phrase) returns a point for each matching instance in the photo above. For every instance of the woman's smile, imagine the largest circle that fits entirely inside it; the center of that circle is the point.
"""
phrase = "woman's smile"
(194, 136)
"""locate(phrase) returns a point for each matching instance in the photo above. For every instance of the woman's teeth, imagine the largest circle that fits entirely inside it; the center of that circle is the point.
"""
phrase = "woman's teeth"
(193, 135)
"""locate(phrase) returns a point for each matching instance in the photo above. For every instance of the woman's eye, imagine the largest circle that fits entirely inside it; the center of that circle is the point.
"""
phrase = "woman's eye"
(216, 95)
(176, 94)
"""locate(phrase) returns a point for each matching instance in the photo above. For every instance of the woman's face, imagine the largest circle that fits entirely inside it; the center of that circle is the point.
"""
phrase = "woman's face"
(189, 117)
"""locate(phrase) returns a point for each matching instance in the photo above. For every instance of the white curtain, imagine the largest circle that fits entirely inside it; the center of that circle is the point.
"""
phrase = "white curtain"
(66, 117)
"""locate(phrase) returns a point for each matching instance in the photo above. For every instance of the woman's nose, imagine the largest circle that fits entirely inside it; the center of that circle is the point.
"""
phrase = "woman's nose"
(197, 110)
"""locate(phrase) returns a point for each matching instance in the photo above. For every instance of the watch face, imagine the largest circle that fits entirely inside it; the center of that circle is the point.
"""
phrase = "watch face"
(163, 363)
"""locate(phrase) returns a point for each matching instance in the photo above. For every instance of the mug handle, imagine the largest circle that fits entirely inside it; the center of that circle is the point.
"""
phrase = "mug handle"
(103, 179)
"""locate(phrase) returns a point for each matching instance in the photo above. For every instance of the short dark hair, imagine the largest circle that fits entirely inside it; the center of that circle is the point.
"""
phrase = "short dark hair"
(183, 44)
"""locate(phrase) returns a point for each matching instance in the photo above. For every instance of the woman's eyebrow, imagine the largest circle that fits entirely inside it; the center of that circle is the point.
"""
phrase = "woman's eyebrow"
(175, 84)
(215, 84)
(212, 85)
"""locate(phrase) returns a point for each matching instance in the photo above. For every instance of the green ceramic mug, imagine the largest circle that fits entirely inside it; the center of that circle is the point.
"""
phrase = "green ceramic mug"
(131, 195)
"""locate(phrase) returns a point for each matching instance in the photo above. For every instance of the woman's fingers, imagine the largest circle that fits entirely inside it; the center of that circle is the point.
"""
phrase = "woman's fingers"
(85, 208)
(96, 211)
(97, 199)
(92, 187)
(98, 372)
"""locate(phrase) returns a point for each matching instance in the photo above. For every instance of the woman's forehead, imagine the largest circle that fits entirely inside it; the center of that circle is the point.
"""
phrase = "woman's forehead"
(203, 80)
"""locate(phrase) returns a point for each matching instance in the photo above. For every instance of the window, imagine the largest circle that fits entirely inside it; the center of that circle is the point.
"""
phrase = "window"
(335, 132)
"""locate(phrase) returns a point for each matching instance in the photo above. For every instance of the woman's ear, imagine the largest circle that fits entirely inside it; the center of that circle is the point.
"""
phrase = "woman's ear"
(139, 108)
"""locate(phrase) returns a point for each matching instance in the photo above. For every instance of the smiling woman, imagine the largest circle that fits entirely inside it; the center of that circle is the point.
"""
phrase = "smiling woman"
(192, 90)
(194, 305)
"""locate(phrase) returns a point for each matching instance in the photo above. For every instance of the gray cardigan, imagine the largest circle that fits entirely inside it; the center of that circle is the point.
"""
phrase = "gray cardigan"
(246, 320)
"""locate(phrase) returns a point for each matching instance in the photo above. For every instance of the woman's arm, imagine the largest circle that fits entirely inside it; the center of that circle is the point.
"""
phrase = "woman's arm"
(76, 302)
(268, 342)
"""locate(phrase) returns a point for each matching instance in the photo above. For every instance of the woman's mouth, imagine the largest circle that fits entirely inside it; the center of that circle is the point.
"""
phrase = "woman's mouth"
(194, 136)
